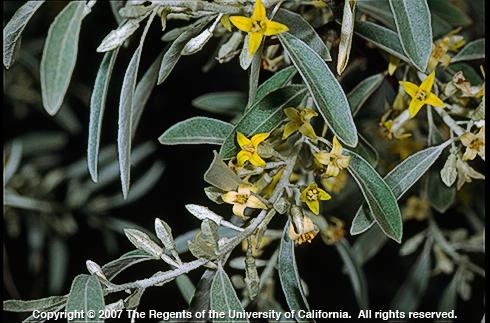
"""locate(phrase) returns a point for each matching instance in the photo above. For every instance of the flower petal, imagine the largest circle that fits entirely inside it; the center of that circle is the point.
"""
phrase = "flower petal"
(410, 88)
(274, 28)
(308, 113)
(258, 138)
(254, 42)
(314, 206)
(428, 82)
(322, 195)
(254, 203)
(307, 130)
(336, 147)
(302, 197)
(242, 139)
(238, 209)
(229, 197)
(289, 128)
(256, 160)
(414, 107)
(469, 154)
(332, 170)
(343, 161)
(433, 100)
(243, 156)
(292, 114)
(259, 11)
(323, 157)
(245, 189)
(242, 23)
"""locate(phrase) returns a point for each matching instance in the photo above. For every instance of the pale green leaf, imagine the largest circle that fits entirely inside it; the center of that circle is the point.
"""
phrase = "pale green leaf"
(86, 295)
(12, 32)
(196, 130)
(378, 9)
(14, 305)
(60, 55)
(58, 264)
(449, 296)
(113, 268)
(368, 244)
(224, 298)
(301, 29)
(186, 287)
(324, 87)
(361, 93)
(379, 197)
(441, 197)
(253, 75)
(126, 112)
(289, 277)
(13, 161)
(97, 107)
(450, 13)
(226, 103)
(413, 23)
(220, 175)
(276, 81)
(263, 116)
(346, 33)
(118, 36)
(473, 50)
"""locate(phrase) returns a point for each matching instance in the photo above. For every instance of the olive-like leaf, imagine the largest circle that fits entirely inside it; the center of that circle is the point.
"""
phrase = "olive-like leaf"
(361, 93)
(16, 305)
(220, 175)
(196, 130)
(346, 33)
(325, 89)
(449, 13)
(227, 103)
(441, 197)
(276, 81)
(473, 50)
(86, 295)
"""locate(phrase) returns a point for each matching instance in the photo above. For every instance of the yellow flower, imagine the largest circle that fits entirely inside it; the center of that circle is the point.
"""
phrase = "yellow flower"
(267, 192)
(393, 64)
(257, 26)
(299, 120)
(302, 229)
(421, 95)
(334, 160)
(475, 144)
(249, 149)
(334, 184)
(312, 195)
(242, 199)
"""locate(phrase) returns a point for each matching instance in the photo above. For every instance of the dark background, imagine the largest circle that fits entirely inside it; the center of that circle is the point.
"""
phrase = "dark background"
(181, 183)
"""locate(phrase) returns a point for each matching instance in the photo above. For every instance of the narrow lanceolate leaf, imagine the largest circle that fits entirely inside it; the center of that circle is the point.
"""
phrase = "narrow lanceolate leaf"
(254, 73)
(60, 55)
(227, 103)
(86, 295)
(379, 197)
(220, 175)
(346, 33)
(118, 36)
(224, 298)
(449, 12)
(113, 268)
(400, 179)
(200, 301)
(473, 50)
(263, 116)
(413, 23)
(14, 305)
(97, 106)
(197, 130)
(173, 54)
(278, 80)
(325, 89)
(412, 291)
(125, 113)
(359, 95)
(441, 197)
(354, 269)
(186, 287)
(382, 37)
(300, 28)
(289, 277)
(449, 296)
(378, 9)
(12, 32)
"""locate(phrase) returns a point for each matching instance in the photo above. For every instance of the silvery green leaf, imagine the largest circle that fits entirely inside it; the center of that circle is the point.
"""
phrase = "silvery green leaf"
(86, 295)
(12, 32)
(245, 58)
(214, 194)
(252, 279)
(201, 300)
(118, 36)
(143, 91)
(202, 213)
(449, 12)
(473, 50)
(226, 103)
(97, 107)
(378, 195)
(263, 116)
(327, 93)
(134, 11)
(229, 49)
(276, 81)
(412, 290)
(220, 175)
(441, 197)
(346, 33)
(367, 151)
(400, 179)
(413, 23)
(361, 93)
(224, 298)
(300, 28)
(172, 34)
(205, 243)
(186, 287)
(411, 244)
(448, 172)
(133, 300)
(356, 274)
(196, 130)
(58, 264)
(124, 130)
(239, 263)
(195, 44)
(173, 54)
(382, 37)
(368, 244)
(13, 161)
(113, 268)
(14, 305)
(378, 9)
(143, 242)
(115, 6)
(93, 268)
(60, 55)
(164, 233)
(289, 277)
(253, 75)
(24, 202)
